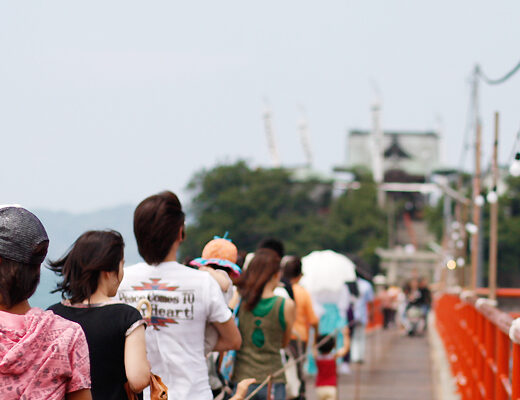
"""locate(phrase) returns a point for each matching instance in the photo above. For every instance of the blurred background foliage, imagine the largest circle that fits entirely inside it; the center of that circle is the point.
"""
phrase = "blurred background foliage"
(306, 214)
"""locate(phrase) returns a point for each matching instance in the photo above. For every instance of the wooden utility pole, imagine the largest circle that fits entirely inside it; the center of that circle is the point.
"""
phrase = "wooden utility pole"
(493, 227)
(461, 216)
(476, 210)
(476, 185)
(464, 235)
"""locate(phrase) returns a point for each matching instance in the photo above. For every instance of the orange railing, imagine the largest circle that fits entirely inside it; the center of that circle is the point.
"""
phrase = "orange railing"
(483, 358)
(501, 292)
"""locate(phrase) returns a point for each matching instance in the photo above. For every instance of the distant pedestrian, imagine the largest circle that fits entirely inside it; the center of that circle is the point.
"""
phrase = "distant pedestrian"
(361, 318)
(417, 306)
(385, 297)
(305, 315)
(426, 296)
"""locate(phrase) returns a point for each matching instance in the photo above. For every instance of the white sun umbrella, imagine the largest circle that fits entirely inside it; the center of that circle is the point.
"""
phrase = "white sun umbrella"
(326, 271)
(324, 275)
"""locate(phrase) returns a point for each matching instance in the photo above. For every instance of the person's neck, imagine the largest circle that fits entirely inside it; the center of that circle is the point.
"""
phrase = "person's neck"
(172, 254)
(99, 296)
(269, 289)
(295, 281)
(20, 308)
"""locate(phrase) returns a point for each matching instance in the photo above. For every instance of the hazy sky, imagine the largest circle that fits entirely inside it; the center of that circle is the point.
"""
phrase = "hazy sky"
(106, 102)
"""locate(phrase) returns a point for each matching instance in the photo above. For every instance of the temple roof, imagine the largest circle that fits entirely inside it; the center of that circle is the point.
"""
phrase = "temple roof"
(395, 150)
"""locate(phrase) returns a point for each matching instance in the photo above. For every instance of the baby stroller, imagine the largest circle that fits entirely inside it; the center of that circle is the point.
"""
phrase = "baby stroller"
(415, 320)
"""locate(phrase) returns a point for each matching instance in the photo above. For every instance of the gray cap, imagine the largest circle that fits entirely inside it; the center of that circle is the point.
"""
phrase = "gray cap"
(21, 234)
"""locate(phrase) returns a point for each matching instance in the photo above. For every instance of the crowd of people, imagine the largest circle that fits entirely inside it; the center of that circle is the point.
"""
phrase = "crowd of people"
(223, 325)
(406, 307)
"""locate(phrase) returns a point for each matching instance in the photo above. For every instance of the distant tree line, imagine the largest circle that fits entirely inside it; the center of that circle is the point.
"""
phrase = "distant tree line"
(255, 203)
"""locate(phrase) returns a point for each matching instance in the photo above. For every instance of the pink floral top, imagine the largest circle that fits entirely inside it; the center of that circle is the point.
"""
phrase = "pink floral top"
(42, 356)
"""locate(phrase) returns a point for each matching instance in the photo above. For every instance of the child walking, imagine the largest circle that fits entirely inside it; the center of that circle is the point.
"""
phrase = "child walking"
(326, 356)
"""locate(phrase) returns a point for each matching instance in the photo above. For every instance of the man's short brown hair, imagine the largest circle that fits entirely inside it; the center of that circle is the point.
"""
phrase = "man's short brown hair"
(158, 220)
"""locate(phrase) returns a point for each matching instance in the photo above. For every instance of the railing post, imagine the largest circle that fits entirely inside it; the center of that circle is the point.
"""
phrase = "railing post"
(481, 354)
(474, 353)
(515, 377)
(502, 348)
(467, 344)
(489, 366)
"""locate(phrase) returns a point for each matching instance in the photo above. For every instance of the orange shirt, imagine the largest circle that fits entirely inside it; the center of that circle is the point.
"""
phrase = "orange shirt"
(305, 316)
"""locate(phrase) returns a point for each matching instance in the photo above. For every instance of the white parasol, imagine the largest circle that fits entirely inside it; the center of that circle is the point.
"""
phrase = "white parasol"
(326, 272)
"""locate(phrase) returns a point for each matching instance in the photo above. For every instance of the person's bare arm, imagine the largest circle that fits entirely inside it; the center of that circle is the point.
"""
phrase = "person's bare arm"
(310, 315)
(315, 350)
(289, 313)
(137, 367)
(228, 336)
(220, 276)
(316, 328)
(346, 343)
(83, 394)
(235, 300)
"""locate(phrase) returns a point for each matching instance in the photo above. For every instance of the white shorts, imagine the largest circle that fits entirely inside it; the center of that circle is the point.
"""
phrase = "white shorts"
(327, 392)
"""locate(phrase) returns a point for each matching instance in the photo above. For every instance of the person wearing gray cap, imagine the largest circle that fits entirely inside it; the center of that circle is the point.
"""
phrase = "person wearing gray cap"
(42, 356)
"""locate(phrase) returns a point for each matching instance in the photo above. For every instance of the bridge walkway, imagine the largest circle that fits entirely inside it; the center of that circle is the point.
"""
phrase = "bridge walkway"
(397, 367)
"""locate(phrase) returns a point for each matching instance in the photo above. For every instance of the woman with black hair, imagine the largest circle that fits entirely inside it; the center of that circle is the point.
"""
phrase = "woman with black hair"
(265, 323)
(92, 271)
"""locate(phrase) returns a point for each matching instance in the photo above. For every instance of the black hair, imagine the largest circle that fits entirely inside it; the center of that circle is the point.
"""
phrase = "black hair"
(353, 288)
(273, 244)
(92, 253)
(158, 219)
(328, 345)
(291, 267)
(18, 281)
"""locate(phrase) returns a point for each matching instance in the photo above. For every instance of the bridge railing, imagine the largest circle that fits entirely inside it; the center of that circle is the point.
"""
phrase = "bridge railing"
(484, 359)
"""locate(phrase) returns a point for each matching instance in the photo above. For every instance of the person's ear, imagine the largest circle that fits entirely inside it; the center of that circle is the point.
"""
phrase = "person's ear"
(182, 233)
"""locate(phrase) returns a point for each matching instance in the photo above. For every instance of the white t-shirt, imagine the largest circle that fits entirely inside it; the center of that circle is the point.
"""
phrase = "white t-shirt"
(183, 300)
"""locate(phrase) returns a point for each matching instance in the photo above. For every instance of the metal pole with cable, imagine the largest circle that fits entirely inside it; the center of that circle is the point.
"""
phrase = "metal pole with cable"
(500, 80)
(493, 226)
(476, 186)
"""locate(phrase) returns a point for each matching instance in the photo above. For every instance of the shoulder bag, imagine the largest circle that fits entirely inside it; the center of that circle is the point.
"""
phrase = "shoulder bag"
(158, 390)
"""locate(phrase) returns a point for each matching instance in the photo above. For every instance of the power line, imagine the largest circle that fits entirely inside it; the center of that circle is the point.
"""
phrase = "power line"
(501, 80)
(489, 81)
